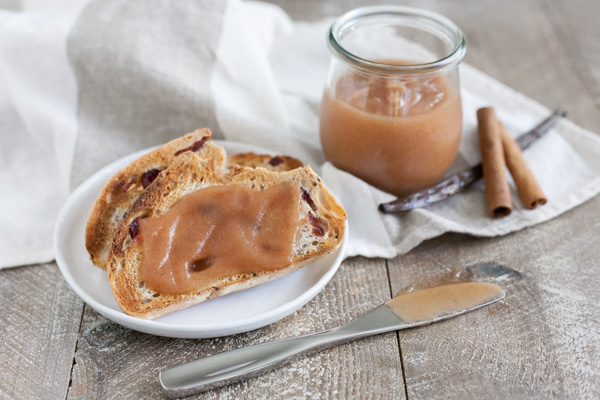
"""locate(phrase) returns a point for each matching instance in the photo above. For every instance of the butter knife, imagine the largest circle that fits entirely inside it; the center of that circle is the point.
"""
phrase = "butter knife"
(407, 310)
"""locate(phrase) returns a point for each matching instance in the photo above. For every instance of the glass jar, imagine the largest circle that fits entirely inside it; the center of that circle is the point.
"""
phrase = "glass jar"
(391, 112)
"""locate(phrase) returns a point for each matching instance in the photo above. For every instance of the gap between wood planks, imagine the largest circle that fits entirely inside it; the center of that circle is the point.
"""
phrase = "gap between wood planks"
(387, 268)
(79, 336)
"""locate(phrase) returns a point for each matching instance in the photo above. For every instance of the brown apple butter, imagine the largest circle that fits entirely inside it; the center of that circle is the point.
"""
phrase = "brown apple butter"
(397, 134)
(219, 232)
(431, 303)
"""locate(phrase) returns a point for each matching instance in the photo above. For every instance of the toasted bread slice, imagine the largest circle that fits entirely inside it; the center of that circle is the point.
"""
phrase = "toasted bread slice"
(321, 231)
(125, 186)
(272, 163)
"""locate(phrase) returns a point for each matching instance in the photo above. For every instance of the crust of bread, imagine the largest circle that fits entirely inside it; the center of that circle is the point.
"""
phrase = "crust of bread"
(125, 187)
(189, 173)
(272, 163)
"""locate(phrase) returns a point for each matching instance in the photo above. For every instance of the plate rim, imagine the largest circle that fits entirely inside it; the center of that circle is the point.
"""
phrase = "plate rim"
(180, 330)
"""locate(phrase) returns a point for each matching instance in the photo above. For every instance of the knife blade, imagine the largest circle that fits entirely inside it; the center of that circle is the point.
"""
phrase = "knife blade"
(404, 311)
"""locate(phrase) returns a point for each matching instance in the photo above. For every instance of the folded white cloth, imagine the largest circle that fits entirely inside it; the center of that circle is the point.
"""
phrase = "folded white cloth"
(83, 83)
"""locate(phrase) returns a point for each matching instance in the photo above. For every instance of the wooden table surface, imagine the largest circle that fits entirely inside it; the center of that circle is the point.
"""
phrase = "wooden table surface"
(542, 341)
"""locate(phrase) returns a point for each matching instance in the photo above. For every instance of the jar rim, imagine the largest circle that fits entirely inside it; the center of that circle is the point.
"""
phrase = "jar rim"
(455, 56)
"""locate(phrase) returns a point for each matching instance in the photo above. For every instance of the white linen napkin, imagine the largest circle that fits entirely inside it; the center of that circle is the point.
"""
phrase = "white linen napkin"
(83, 83)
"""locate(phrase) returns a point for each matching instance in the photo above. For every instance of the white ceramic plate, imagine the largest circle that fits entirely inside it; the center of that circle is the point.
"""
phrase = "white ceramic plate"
(237, 312)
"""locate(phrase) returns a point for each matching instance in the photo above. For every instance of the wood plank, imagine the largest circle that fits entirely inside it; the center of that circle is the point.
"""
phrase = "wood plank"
(576, 25)
(39, 323)
(115, 362)
(515, 43)
(543, 339)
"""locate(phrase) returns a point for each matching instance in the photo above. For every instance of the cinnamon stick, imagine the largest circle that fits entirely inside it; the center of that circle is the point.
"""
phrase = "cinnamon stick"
(456, 183)
(497, 191)
(528, 187)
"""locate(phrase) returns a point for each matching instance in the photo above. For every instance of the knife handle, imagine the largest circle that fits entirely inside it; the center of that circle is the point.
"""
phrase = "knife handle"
(225, 368)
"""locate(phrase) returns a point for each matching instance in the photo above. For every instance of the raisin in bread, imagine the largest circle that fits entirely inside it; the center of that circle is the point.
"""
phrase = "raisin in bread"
(321, 231)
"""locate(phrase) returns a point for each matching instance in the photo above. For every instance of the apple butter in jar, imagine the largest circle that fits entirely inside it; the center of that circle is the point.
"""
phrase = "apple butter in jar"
(391, 112)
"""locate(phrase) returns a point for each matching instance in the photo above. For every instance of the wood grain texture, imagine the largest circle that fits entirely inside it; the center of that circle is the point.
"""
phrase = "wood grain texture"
(39, 322)
(115, 362)
(575, 23)
(542, 341)
(517, 44)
